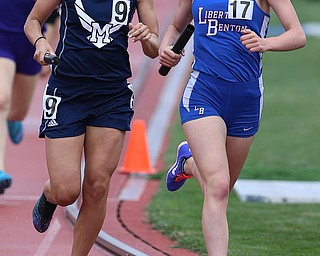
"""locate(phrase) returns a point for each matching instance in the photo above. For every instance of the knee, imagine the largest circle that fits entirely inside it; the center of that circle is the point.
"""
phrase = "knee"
(217, 188)
(4, 101)
(98, 190)
(64, 195)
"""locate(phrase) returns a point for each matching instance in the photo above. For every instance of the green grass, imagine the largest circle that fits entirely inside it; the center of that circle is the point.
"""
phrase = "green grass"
(287, 147)
(308, 10)
(287, 144)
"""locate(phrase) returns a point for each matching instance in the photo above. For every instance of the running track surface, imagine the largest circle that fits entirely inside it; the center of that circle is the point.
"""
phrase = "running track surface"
(125, 220)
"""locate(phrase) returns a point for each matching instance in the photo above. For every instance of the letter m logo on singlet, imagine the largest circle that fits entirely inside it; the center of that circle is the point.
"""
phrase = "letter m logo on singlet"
(99, 36)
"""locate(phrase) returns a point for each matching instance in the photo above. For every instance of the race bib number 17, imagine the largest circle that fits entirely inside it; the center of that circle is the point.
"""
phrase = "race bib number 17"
(240, 9)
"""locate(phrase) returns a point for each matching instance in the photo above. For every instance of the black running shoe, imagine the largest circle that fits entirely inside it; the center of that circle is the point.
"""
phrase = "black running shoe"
(42, 214)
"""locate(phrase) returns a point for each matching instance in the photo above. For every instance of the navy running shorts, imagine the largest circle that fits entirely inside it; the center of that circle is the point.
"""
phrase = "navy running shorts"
(238, 104)
(16, 47)
(67, 112)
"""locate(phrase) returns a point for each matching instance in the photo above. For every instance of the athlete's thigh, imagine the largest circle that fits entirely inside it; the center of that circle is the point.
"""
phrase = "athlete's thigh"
(22, 93)
(207, 140)
(7, 73)
(237, 151)
(102, 152)
(64, 160)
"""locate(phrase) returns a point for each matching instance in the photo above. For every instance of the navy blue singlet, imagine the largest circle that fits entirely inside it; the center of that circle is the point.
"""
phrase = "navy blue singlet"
(93, 41)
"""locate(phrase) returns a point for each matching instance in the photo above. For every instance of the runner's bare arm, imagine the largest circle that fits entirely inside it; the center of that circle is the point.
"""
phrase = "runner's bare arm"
(293, 37)
(147, 30)
(32, 28)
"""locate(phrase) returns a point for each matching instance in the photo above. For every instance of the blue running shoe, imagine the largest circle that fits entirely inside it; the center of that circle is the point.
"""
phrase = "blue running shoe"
(42, 214)
(176, 176)
(5, 181)
(15, 131)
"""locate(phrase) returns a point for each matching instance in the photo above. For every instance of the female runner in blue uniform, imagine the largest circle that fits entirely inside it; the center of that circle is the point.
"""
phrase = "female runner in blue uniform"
(88, 103)
(19, 75)
(221, 105)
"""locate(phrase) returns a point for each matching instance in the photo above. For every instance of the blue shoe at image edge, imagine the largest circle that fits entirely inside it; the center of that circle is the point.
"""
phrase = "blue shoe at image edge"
(5, 181)
(176, 176)
(15, 131)
(40, 222)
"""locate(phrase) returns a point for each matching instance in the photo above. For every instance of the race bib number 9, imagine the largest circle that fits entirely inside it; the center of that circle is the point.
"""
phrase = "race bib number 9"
(240, 9)
(50, 106)
(120, 12)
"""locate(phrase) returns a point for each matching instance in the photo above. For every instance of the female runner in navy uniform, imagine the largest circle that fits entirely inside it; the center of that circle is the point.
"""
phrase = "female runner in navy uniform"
(221, 105)
(88, 103)
(19, 75)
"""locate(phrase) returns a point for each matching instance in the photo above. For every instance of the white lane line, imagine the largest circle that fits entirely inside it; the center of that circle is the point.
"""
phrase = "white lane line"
(18, 198)
(161, 116)
(134, 188)
(312, 29)
(49, 238)
(160, 122)
(105, 240)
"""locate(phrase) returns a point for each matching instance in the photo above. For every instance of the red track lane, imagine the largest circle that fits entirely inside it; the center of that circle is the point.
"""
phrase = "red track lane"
(26, 163)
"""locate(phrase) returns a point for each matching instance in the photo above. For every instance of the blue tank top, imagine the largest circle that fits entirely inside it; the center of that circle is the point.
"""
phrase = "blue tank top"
(217, 47)
(14, 14)
(93, 40)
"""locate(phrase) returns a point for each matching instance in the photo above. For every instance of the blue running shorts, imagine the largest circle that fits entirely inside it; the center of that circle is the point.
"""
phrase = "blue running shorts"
(238, 104)
(16, 47)
(67, 112)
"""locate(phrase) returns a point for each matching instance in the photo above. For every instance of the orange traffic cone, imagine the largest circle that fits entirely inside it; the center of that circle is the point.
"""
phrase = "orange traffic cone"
(137, 158)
